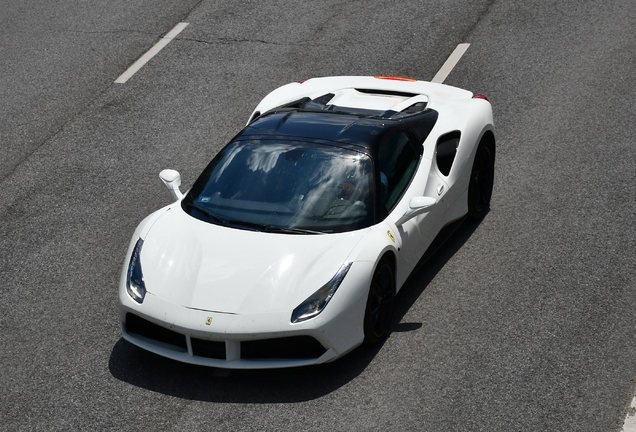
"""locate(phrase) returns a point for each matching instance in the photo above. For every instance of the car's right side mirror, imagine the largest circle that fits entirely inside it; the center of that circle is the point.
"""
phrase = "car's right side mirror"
(417, 206)
(172, 180)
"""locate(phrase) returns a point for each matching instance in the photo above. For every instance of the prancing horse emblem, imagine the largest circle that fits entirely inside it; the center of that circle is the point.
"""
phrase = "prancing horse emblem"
(208, 321)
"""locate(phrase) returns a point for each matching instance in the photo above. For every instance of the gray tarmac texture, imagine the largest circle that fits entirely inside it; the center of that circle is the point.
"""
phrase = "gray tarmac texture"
(522, 322)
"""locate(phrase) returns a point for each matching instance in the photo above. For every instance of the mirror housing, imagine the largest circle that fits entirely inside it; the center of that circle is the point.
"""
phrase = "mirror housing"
(172, 180)
(417, 206)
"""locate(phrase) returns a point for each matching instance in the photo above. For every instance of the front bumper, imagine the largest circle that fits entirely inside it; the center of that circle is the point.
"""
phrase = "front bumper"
(260, 341)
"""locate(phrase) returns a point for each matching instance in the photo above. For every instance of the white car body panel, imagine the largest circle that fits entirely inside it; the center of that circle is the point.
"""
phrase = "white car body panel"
(437, 93)
(196, 264)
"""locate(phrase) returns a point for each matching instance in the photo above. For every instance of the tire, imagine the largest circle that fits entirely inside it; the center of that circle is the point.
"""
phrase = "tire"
(482, 178)
(379, 310)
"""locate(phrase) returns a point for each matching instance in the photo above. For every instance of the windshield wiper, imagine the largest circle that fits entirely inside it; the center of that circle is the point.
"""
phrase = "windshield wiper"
(293, 230)
(207, 213)
(273, 229)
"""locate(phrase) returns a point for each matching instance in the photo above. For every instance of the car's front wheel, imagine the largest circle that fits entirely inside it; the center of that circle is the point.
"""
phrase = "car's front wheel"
(379, 309)
(482, 178)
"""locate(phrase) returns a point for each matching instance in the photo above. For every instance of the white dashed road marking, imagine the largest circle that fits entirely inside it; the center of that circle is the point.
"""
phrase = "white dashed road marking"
(629, 425)
(151, 53)
(452, 60)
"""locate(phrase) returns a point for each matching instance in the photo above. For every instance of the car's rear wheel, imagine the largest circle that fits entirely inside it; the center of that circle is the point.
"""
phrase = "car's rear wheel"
(482, 179)
(379, 309)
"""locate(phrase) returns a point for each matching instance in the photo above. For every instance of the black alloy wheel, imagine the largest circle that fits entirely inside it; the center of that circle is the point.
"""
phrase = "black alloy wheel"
(379, 310)
(482, 179)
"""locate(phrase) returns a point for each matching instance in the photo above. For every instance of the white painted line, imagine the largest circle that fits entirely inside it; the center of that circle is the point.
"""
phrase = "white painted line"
(151, 53)
(629, 425)
(451, 62)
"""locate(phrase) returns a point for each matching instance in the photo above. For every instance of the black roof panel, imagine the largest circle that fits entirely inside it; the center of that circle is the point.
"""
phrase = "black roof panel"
(358, 130)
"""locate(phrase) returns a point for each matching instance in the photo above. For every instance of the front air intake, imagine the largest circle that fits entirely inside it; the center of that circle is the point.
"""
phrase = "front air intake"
(136, 325)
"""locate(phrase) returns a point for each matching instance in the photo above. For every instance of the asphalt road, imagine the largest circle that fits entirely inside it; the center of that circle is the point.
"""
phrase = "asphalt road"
(522, 322)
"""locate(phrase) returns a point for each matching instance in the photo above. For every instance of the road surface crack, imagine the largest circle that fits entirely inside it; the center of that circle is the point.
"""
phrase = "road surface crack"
(230, 41)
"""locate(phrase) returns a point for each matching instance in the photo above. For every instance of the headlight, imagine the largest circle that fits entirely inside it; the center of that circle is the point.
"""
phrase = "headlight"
(318, 300)
(135, 279)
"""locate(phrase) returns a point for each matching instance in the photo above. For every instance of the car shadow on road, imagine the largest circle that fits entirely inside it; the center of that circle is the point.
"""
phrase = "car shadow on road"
(140, 368)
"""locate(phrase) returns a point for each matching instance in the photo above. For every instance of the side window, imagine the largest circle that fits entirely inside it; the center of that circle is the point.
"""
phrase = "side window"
(397, 160)
(446, 151)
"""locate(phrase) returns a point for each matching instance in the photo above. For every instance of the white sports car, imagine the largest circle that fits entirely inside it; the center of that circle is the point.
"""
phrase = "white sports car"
(292, 244)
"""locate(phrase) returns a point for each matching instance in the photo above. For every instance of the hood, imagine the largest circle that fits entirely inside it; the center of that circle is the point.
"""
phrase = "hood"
(204, 266)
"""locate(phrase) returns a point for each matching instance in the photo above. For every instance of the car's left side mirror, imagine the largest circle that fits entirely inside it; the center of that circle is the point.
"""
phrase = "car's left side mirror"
(417, 206)
(172, 180)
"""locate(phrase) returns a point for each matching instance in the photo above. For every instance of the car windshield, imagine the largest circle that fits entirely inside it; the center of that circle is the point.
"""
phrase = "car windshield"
(285, 186)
